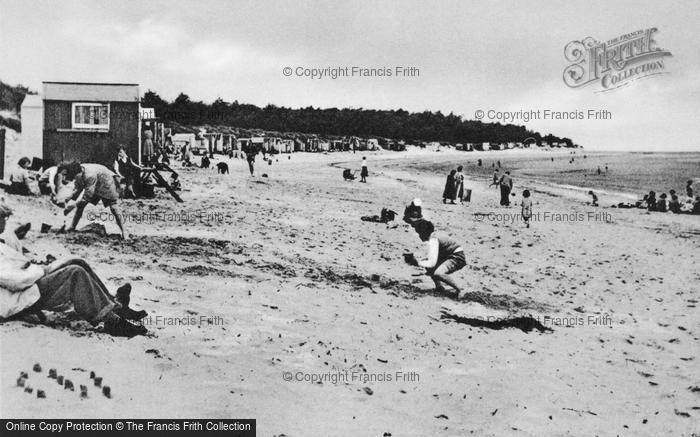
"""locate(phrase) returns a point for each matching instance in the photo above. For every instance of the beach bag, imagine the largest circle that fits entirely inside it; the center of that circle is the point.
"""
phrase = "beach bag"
(467, 195)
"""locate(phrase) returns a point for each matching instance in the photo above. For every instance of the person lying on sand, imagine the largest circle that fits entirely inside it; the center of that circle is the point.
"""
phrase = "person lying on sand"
(444, 257)
(98, 183)
(27, 288)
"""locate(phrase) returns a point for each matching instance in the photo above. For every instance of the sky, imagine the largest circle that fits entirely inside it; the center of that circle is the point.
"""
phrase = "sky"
(495, 56)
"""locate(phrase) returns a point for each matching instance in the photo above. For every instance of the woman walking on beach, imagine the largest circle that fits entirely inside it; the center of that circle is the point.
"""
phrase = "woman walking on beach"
(506, 184)
(448, 192)
(459, 185)
(364, 173)
(250, 157)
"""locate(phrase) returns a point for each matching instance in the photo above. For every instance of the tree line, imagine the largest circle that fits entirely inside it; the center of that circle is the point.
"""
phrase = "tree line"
(395, 124)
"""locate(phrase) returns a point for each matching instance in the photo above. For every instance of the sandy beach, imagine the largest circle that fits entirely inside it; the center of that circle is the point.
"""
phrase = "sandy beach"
(584, 324)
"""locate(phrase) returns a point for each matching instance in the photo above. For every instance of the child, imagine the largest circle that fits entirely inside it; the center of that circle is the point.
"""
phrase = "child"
(444, 257)
(413, 212)
(96, 183)
(594, 197)
(674, 205)
(20, 179)
(364, 173)
(661, 204)
(526, 207)
(175, 182)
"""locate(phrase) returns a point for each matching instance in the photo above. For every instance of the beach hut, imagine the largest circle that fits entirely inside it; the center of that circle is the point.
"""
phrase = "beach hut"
(258, 143)
(511, 145)
(180, 140)
(32, 139)
(242, 143)
(286, 145)
(87, 121)
(372, 144)
(486, 146)
(336, 145)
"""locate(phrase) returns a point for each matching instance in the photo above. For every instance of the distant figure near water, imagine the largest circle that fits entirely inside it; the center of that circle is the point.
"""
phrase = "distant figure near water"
(364, 172)
(594, 198)
(526, 208)
(496, 178)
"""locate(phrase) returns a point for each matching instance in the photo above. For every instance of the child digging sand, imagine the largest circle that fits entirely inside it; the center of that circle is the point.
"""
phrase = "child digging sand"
(444, 257)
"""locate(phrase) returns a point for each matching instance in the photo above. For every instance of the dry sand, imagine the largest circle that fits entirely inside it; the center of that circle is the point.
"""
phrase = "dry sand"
(293, 281)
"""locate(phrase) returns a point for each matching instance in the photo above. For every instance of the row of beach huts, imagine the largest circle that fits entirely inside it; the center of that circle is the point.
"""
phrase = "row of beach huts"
(204, 140)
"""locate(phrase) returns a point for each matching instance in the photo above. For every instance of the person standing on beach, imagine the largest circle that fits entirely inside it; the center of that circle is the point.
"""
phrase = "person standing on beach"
(128, 170)
(448, 192)
(506, 184)
(364, 173)
(96, 182)
(250, 157)
(444, 257)
(526, 207)
(459, 185)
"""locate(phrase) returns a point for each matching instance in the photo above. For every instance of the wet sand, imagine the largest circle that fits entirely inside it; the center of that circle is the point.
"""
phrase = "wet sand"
(279, 274)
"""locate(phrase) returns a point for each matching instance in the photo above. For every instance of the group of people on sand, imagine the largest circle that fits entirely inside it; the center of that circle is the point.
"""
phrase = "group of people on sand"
(674, 204)
(72, 186)
(454, 187)
(27, 286)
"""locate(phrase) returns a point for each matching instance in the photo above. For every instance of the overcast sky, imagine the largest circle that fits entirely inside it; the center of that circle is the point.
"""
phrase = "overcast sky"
(488, 55)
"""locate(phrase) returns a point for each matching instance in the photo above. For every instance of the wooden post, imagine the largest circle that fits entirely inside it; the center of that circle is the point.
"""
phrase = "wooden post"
(2, 153)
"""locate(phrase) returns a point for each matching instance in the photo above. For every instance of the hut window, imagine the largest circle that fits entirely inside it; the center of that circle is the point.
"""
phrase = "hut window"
(91, 116)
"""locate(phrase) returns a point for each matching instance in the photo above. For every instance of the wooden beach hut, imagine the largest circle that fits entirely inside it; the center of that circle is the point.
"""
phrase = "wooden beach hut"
(88, 121)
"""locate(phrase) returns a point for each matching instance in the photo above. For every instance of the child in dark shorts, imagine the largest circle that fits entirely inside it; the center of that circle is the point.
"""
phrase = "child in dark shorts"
(445, 256)
(97, 183)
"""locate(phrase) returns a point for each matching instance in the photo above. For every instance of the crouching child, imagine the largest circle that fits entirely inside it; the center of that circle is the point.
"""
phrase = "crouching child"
(444, 257)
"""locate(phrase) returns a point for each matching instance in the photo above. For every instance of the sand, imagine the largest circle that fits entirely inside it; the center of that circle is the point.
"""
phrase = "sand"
(279, 274)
